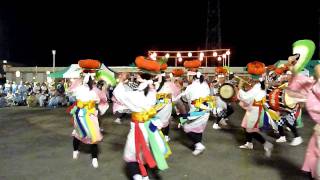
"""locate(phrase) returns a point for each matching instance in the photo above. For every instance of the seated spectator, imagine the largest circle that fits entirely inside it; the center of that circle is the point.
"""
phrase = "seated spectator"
(3, 101)
(23, 92)
(36, 88)
(9, 98)
(57, 100)
(14, 87)
(7, 87)
(18, 99)
(60, 87)
(53, 102)
(32, 100)
(1, 89)
(43, 100)
(70, 99)
(62, 100)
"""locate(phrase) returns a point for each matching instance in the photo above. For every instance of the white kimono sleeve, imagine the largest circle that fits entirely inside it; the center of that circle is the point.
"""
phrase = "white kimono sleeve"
(249, 96)
(136, 101)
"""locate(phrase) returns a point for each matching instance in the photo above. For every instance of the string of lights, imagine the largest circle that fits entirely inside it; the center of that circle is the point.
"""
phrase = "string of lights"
(220, 54)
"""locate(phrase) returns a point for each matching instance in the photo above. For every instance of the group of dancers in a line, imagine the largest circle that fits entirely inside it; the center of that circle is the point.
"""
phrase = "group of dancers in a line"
(272, 99)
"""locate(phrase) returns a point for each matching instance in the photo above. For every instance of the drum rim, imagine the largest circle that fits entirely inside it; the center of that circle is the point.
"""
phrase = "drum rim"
(282, 93)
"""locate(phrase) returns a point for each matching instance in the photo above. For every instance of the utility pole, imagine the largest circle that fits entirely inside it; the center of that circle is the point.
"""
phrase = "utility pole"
(53, 60)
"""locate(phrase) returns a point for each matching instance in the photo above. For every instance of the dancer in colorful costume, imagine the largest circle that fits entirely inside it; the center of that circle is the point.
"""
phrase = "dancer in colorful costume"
(289, 112)
(181, 106)
(85, 115)
(253, 102)
(200, 105)
(304, 89)
(119, 109)
(145, 142)
(164, 95)
(221, 110)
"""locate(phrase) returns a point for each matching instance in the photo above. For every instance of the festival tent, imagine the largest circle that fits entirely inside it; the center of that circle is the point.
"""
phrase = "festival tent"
(74, 71)
(58, 74)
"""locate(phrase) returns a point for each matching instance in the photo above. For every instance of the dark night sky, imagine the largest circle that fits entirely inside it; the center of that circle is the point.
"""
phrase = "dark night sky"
(116, 33)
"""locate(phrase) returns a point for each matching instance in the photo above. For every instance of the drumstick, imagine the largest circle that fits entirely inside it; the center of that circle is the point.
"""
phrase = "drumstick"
(242, 80)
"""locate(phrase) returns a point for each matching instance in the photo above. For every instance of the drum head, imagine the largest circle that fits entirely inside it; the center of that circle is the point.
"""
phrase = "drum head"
(289, 101)
(226, 91)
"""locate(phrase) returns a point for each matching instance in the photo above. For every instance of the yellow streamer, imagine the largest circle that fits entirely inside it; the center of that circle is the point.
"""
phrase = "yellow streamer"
(209, 99)
(163, 96)
(88, 105)
(143, 116)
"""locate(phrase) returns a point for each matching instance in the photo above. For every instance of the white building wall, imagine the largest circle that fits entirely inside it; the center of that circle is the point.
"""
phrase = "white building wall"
(9, 76)
(27, 73)
(29, 77)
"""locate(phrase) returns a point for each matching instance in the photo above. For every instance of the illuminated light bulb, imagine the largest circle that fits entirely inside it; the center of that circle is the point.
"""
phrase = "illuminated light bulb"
(201, 58)
(153, 56)
(219, 58)
(228, 53)
(215, 54)
(180, 59)
(189, 54)
(167, 55)
(48, 72)
(178, 55)
(201, 54)
(224, 55)
(18, 73)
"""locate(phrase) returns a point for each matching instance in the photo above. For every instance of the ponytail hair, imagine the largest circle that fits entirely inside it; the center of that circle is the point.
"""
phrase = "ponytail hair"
(90, 83)
(146, 90)
(146, 77)
(201, 79)
(163, 80)
(263, 86)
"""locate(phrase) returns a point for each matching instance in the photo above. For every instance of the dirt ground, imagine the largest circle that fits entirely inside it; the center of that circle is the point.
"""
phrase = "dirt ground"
(35, 143)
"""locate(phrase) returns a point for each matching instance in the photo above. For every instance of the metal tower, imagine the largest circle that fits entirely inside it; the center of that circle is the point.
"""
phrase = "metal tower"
(213, 35)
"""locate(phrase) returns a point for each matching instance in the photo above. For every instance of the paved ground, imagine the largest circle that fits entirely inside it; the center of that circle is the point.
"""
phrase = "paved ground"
(35, 144)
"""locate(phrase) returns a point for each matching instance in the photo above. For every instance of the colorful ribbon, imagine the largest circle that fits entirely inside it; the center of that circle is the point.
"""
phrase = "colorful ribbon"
(209, 100)
(159, 156)
(143, 116)
(140, 144)
(84, 126)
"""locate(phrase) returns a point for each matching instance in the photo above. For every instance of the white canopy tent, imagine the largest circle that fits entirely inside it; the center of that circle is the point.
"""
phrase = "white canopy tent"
(74, 71)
